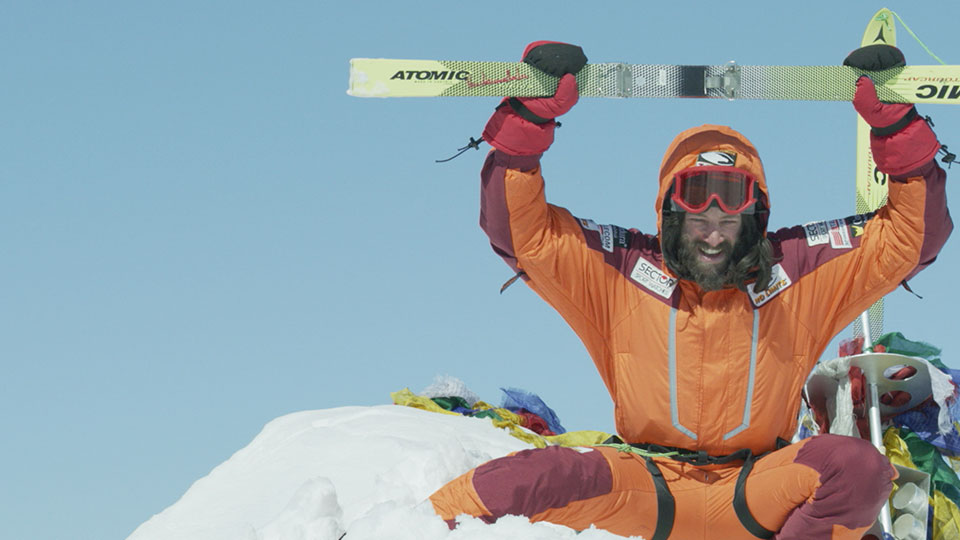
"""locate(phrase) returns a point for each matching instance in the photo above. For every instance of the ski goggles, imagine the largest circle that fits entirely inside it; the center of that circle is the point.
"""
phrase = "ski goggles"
(695, 188)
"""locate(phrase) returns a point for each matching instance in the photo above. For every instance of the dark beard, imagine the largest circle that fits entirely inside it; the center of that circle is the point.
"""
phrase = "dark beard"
(752, 257)
(712, 278)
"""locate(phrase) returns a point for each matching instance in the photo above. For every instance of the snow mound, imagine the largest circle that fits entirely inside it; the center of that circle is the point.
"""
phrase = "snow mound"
(366, 471)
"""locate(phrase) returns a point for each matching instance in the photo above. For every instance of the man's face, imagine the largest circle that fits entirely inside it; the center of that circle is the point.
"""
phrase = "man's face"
(706, 244)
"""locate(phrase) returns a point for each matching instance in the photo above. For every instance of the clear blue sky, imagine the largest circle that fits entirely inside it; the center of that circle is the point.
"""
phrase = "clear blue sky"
(200, 231)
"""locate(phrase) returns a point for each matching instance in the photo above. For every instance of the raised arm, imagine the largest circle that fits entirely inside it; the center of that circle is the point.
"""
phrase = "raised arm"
(846, 265)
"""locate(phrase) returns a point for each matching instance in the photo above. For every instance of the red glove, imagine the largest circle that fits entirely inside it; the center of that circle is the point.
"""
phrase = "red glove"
(524, 126)
(901, 140)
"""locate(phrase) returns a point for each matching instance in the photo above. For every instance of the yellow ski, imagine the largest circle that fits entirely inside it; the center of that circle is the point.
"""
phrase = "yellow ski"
(871, 183)
(383, 77)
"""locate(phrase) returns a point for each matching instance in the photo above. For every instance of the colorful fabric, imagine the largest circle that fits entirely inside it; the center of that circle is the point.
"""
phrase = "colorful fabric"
(447, 386)
(906, 449)
(943, 384)
(518, 399)
(896, 449)
(946, 518)
(923, 422)
(523, 425)
(895, 342)
(452, 403)
(934, 420)
(409, 399)
(828, 486)
(534, 423)
(927, 459)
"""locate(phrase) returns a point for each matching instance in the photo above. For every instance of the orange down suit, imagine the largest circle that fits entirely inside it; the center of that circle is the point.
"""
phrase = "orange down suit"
(713, 371)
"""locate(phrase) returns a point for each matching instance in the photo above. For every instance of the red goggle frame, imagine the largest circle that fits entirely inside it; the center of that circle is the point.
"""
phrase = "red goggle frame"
(695, 188)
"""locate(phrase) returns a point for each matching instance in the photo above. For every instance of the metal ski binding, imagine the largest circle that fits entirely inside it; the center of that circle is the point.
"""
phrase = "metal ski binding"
(728, 83)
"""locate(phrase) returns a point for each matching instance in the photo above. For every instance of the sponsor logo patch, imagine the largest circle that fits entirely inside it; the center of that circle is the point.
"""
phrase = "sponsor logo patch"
(817, 233)
(621, 237)
(648, 275)
(589, 224)
(839, 234)
(606, 238)
(779, 281)
(717, 157)
(857, 223)
(611, 236)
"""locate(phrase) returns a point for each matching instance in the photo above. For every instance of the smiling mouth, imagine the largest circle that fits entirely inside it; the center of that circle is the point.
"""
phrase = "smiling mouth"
(711, 254)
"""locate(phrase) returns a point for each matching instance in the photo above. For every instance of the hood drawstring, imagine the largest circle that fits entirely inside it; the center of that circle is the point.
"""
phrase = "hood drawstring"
(512, 280)
(948, 157)
(474, 143)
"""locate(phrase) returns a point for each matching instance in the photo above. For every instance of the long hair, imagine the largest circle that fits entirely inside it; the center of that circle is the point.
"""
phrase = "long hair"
(751, 260)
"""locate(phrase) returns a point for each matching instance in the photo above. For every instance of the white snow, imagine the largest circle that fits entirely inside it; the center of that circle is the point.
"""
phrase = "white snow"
(366, 471)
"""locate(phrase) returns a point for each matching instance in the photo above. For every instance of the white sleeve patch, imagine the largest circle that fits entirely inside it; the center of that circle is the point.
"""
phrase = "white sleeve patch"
(839, 235)
(606, 237)
(589, 224)
(817, 233)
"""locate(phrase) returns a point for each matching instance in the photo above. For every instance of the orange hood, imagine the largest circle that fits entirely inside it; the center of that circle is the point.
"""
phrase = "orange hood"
(709, 142)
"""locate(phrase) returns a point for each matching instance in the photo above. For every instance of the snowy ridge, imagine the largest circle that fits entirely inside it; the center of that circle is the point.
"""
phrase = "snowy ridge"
(366, 471)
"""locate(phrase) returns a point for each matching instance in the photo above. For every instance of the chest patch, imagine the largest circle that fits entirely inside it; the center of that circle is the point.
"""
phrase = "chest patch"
(779, 280)
(650, 277)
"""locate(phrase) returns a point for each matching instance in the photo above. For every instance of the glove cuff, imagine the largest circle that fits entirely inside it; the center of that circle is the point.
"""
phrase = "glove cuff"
(900, 124)
(906, 149)
(524, 112)
(508, 132)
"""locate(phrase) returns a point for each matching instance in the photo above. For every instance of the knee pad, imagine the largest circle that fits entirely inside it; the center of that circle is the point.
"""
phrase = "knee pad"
(848, 465)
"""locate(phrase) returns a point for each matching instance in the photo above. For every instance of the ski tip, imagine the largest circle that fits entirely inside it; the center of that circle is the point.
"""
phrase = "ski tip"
(880, 29)
(360, 84)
